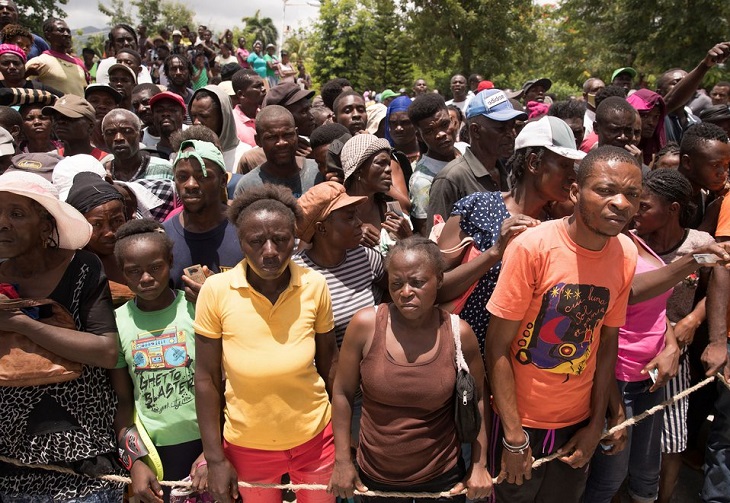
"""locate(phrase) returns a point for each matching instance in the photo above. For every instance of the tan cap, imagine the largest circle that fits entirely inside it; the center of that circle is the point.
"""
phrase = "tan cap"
(319, 202)
(73, 107)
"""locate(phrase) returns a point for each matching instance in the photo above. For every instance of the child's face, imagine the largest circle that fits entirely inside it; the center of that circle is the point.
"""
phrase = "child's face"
(146, 268)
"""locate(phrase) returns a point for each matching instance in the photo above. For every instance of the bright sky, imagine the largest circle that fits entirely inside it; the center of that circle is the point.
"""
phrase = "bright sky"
(83, 13)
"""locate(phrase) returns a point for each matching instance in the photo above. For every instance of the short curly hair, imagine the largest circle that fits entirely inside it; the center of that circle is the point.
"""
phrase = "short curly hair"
(268, 197)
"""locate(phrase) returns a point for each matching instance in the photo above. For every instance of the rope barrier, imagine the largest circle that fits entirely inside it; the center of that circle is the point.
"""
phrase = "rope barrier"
(445, 494)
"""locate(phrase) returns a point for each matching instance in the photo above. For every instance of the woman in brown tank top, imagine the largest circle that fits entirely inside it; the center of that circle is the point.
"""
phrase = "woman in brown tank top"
(402, 355)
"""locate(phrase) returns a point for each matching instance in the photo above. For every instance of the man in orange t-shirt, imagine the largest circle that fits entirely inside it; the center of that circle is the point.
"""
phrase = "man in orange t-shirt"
(715, 358)
(552, 342)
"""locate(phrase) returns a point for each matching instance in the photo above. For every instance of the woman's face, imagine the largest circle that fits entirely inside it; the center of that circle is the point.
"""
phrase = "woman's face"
(22, 227)
(257, 48)
(375, 175)
(146, 268)
(401, 129)
(36, 126)
(12, 67)
(105, 219)
(557, 174)
(654, 213)
(267, 241)
(413, 281)
(649, 121)
(342, 229)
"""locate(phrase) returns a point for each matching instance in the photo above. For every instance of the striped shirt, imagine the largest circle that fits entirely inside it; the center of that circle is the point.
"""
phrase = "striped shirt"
(350, 283)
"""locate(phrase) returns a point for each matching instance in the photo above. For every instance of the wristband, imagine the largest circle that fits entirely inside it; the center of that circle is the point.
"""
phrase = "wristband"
(202, 463)
(517, 449)
(131, 447)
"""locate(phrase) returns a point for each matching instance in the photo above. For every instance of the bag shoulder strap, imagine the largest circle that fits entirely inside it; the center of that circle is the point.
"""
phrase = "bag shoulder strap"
(456, 330)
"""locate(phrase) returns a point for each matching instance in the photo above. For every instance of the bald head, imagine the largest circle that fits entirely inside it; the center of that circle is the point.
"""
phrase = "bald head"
(668, 80)
(122, 114)
(270, 115)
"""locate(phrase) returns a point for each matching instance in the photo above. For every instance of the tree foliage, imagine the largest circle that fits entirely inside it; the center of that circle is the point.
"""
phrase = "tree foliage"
(32, 13)
(260, 28)
(467, 36)
(154, 14)
(649, 35)
(388, 61)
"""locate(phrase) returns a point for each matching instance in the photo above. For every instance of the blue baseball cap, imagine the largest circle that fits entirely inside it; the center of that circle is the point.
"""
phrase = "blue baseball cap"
(493, 104)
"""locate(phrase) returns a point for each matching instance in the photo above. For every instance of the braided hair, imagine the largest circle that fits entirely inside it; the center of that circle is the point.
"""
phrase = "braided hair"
(673, 187)
(135, 231)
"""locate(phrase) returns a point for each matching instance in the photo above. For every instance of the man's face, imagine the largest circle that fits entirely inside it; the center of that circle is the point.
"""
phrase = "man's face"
(594, 86)
(122, 39)
(102, 102)
(178, 73)
(576, 125)
(8, 13)
(458, 87)
(720, 95)
(254, 94)
(168, 117)
(68, 129)
(608, 198)
(204, 111)
(59, 37)
(536, 92)
(141, 105)
(201, 30)
(668, 81)
(198, 192)
(279, 140)
(351, 113)
(496, 138)
(649, 121)
(127, 59)
(176, 39)
(623, 80)
(438, 133)
(184, 32)
(618, 129)
(707, 166)
(122, 81)
(121, 136)
(303, 118)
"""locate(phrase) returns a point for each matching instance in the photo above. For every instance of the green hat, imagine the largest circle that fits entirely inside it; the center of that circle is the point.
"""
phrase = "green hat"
(201, 150)
(626, 69)
(388, 93)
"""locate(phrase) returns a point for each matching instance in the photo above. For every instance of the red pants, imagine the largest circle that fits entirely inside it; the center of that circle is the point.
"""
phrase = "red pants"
(309, 463)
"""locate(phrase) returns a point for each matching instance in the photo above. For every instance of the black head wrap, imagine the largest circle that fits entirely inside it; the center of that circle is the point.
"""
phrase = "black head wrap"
(89, 190)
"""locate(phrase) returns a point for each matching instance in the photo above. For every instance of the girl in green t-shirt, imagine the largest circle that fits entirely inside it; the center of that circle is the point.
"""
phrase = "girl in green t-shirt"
(155, 423)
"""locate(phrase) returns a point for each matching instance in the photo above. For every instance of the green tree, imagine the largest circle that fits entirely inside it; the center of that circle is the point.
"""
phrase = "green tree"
(154, 14)
(467, 36)
(32, 13)
(260, 28)
(117, 12)
(339, 39)
(650, 35)
(388, 61)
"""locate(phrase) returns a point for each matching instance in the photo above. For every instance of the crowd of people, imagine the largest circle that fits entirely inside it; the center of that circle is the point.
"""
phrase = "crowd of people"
(262, 282)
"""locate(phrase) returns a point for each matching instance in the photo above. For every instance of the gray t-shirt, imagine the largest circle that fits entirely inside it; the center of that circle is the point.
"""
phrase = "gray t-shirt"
(308, 177)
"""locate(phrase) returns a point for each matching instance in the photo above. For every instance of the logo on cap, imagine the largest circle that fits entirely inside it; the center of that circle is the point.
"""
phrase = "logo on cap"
(29, 164)
(495, 100)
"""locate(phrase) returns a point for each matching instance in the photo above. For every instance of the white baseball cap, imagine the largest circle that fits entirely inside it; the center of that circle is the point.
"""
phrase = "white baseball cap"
(553, 134)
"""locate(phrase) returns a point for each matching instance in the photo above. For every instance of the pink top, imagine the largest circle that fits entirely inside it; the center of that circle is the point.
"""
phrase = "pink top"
(642, 337)
(245, 127)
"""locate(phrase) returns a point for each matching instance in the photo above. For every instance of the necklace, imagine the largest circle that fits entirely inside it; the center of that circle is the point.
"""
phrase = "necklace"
(140, 170)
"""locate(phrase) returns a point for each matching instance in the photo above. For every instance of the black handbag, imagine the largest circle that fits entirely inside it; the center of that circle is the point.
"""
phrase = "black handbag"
(466, 408)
